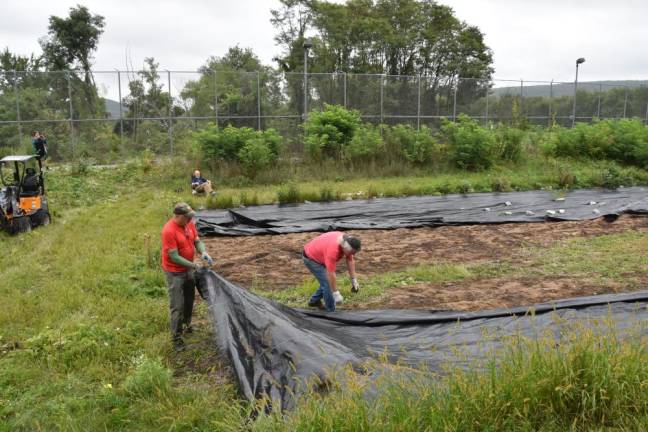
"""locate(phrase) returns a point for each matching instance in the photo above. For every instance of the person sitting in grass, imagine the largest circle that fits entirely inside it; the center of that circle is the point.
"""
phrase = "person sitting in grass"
(200, 184)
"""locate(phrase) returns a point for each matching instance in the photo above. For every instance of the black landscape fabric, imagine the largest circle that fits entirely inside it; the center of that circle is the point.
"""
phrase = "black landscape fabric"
(274, 349)
(420, 211)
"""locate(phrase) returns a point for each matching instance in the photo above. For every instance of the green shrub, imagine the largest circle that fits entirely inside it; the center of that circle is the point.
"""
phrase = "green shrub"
(628, 143)
(224, 201)
(248, 201)
(223, 143)
(471, 146)
(327, 193)
(612, 178)
(254, 149)
(501, 184)
(255, 155)
(509, 143)
(624, 141)
(149, 378)
(566, 178)
(366, 144)
(418, 147)
(289, 194)
(465, 187)
(327, 132)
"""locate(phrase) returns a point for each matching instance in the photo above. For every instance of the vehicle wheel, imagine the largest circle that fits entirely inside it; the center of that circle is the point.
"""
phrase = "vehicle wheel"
(21, 224)
(41, 217)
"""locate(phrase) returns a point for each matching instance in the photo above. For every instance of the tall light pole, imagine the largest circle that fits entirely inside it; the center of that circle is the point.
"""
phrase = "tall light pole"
(307, 45)
(579, 61)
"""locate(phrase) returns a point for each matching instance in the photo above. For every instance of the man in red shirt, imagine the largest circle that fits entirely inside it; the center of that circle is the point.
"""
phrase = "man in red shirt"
(179, 244)
(321, 256)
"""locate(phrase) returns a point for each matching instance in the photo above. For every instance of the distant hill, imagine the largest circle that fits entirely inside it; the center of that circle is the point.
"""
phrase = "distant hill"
(567, 89)
(112, 108)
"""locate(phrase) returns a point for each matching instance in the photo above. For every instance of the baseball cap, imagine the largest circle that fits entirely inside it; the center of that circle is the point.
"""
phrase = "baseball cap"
(354, 242)
(184, 209)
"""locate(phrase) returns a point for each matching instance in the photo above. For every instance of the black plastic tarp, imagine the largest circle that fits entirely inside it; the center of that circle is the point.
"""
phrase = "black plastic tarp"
(419, 211)
(274, 349)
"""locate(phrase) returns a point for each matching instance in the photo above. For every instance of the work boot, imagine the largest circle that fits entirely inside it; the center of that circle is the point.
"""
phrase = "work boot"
(189, 329)
(318, 304)
(179, 345)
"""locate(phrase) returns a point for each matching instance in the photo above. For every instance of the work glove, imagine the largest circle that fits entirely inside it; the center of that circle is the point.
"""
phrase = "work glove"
(337, 297)
(207, 258)
(355, 286)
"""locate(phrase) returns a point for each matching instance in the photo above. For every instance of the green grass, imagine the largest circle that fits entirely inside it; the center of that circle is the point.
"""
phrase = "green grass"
(326, 182)
(84, 343)
(588, 382)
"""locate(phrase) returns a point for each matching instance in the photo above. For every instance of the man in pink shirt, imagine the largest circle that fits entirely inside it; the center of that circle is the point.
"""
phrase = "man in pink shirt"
(321, 256)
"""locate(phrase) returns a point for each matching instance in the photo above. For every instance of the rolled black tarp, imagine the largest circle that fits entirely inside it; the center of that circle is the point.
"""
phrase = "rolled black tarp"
(420, 211)
(274, 350)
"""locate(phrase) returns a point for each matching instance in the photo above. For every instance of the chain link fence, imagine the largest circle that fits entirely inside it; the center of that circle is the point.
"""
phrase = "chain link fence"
(108, 115)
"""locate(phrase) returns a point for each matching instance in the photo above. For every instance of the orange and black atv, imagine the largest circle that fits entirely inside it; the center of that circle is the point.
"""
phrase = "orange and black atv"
(23, 203)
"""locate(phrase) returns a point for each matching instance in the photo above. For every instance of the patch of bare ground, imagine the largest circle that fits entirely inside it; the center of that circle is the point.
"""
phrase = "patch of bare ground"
(273, 262)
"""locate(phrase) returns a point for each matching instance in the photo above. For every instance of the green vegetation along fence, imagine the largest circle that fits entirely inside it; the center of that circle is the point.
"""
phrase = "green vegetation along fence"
(122, 112)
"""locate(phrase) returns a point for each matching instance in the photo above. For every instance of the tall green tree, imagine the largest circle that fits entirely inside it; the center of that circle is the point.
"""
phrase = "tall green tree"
(230, 82)
(394, 37)
(71, 43)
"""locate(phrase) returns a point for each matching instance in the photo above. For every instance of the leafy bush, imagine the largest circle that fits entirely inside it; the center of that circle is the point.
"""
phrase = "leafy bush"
(327, 132)
(612, 178)
(624, 141)
(509, 143)
(289, 194)
(255, 155)
(566, 177)
(366, 144)
(471, 146)
(327, 193)
(417, 147)
(254, 149)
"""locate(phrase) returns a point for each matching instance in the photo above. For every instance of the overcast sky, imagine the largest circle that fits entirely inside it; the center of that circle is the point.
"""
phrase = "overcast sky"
(533, 40)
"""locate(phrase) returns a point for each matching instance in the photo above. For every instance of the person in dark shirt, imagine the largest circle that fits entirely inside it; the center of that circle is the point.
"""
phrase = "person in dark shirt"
(200, 184)
(39, 142)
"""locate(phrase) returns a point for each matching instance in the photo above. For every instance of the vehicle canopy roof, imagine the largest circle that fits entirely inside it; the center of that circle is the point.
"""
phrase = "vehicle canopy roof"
(18, 158)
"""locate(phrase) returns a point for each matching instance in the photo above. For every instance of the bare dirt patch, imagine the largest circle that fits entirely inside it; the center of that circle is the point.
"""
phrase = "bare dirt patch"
(492, 293)
(273, 262)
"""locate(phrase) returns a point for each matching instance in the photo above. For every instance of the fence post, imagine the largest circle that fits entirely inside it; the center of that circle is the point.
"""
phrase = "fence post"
(170, 127)
(521, 98)
(487, 94)
(215, 96)
(382, 76)
(418, 105)
(598, 108)
(345, 90)
(17, 96)
(454, 104)
(71, 113)
(549, 121)
(258, 101)
(625, 102)
(121, 114)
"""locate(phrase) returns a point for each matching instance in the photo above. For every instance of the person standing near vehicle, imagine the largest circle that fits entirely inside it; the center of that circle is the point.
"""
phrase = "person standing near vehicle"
(39, 142)
(179, 244)
(320, 256)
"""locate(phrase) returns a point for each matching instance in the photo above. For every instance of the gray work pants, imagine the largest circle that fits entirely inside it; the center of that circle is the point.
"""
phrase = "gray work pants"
(181, 287)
